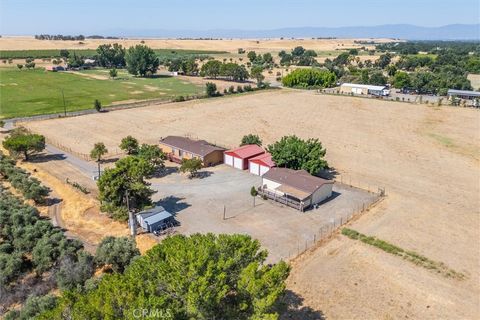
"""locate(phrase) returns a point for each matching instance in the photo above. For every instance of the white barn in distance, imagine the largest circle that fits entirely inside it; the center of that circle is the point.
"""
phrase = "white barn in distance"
(364, 89)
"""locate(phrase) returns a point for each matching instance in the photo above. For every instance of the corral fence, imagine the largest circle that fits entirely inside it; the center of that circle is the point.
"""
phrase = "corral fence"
(115, 153)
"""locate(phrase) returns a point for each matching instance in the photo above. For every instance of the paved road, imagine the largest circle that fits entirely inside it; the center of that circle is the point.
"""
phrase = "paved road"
(89, 169)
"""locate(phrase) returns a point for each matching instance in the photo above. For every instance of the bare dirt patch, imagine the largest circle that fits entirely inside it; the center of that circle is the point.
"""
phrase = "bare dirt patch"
(432, 204)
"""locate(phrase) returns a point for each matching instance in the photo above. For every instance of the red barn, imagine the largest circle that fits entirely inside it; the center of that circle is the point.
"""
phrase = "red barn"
(238, 158)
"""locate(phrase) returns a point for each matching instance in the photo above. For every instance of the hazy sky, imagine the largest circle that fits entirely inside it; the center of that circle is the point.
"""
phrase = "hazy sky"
(103, 16)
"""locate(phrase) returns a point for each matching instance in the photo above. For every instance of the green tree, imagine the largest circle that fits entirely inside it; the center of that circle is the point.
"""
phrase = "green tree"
(211, 69)
(97, 105)
(251, 139)
(73, 272)
(298, 51)
(295, 153)
(21, 142)
(141, 60)
(257, 74)
(377, 78)
(64, 54)
(129, 175)
(111, 56)
(211, 89)
(252, 56)
(306, 78)
(98, 151)
(191, 166)
(196, 277)
(253, 193)
(153, 154)
(130, 145)
(117, 253)
(384, 60)
(401, 80)
(33, 306)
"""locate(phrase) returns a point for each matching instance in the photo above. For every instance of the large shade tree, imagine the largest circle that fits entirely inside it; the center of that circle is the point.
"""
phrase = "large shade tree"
(295, 153)
(141, 60)
(21, 142)
(197, 277)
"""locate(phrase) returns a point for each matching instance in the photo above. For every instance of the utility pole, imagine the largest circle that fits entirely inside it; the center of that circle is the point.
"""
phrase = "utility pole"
(131, 220)
(64, 105)
(98, 162)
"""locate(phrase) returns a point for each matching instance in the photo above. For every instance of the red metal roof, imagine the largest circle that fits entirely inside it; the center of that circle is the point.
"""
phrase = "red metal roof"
(264, 160)
(246, 152)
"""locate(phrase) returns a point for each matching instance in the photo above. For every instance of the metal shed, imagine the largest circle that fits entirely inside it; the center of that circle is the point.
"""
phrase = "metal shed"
(152, 219)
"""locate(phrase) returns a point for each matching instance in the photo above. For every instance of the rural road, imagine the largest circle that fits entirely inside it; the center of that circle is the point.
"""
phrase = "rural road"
(87, 168)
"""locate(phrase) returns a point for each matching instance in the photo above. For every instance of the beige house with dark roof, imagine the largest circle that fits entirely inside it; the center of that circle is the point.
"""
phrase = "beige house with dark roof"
(297, 186)
(178, 148)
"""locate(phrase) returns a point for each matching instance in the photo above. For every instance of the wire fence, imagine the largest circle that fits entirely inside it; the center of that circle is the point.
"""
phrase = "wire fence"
(326, 230)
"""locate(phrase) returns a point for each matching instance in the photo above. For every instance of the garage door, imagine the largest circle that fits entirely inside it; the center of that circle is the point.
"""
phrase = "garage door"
(228, 160)
(263, 170)
(237, 163)
(254, 168)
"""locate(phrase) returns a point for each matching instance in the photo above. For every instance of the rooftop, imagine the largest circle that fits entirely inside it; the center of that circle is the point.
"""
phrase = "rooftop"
(264, 159)
(246, 151)
(463, 93)
(297, 179)
(155, 215)
(198, 147)
(364, 86)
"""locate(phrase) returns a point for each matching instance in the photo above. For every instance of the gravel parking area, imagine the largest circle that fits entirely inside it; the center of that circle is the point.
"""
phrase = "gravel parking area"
(199, 207)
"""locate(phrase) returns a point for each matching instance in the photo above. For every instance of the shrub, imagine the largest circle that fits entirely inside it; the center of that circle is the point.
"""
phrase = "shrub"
(239, 89)
(231, 89)
(211, 89)
(116, 253)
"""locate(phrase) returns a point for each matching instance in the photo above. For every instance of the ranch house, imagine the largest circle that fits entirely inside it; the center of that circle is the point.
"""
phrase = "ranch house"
(178, 148)
(295, 188)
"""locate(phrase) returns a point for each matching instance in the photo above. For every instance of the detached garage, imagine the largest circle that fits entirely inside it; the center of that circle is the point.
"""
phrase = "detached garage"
(238, 158)
(260, 165)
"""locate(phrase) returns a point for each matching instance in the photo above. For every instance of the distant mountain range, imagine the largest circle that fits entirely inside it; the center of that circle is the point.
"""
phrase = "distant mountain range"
(396, 31)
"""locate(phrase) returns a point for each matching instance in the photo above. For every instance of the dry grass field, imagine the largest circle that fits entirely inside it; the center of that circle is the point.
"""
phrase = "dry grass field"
(270, 45)
(427, 158)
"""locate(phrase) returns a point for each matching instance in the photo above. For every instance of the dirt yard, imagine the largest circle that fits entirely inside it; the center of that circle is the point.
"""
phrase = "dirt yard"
(271, 45)
(198, 205)
(428, 158)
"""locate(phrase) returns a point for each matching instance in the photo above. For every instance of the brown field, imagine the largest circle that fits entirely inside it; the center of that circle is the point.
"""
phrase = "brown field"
(427, 158)
(261, 45)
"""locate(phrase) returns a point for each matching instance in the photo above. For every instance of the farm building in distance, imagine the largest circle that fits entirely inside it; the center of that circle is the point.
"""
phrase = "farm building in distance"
(152, 219)
(259, 165)
(364, 89)
(238, 157)
(466, 95)
(178, 148)
(295, 188)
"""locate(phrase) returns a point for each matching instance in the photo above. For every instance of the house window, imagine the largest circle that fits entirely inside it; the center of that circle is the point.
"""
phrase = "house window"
(180, 153)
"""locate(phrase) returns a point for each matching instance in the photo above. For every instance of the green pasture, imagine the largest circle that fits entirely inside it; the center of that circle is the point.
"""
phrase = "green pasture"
(34, 92)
